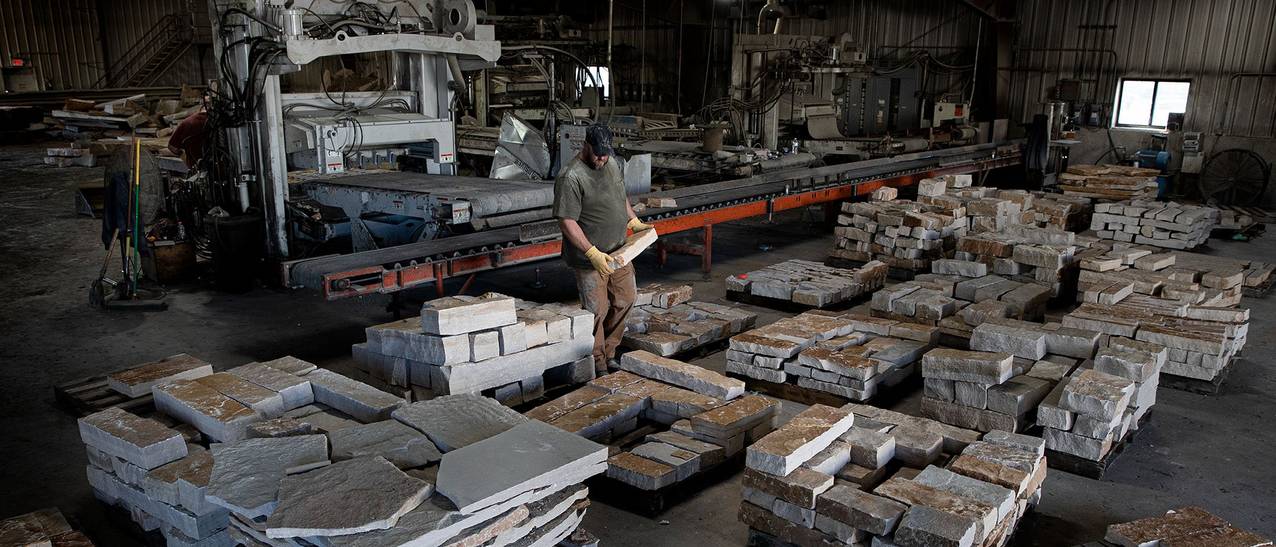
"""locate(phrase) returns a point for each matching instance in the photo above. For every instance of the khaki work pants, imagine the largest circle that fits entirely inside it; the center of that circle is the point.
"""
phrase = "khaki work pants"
(609, 300)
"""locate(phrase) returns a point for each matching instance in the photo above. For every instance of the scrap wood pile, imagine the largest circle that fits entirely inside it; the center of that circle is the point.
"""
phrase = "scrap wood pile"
(705, 418)
(285, 453)
(1109, 182)
(98, 129)
(857, 475)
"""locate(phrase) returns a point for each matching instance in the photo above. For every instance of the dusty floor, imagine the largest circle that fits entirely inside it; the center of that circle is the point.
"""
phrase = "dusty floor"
(1207, 451)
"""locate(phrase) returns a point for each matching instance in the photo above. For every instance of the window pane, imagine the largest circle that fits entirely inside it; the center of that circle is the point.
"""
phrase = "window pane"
(1170, 97)
(1136, 102)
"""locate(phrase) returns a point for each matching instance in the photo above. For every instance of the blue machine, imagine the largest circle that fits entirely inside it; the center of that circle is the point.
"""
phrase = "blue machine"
(1153, 158)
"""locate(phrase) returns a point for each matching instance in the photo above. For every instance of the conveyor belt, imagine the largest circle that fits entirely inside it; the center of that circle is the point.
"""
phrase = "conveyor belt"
(487, 197)
(692, 201)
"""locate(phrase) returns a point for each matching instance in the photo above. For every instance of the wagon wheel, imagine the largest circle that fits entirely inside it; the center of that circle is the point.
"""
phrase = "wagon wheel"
(1234, 177)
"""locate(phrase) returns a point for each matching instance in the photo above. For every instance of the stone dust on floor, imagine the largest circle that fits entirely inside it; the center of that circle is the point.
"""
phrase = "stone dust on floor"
(1199, 450)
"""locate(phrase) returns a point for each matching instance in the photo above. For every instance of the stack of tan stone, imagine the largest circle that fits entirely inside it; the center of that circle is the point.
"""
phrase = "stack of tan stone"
(666, 321)
(1183, 526)
(991, 209)
(1032, 255)
(710, 419)
(822, 479)
(1109, 182)
(849, 355)
(491, 344)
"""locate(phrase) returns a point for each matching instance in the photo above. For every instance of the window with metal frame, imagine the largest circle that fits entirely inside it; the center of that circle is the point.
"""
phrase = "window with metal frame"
(1147, 104)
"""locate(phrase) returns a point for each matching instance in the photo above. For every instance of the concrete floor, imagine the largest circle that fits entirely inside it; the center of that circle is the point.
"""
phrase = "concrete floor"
(1206, 451)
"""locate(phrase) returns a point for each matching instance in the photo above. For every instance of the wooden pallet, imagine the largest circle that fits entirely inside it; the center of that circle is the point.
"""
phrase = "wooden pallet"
(1069, 463)
(650, 503)
(88, 395)
(1261, 290)
(1194, 385)
(884, 397)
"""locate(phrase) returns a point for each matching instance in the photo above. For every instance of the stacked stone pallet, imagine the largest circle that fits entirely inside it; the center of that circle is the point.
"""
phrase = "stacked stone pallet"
(991, 210)
(848, 355)
(491, 344)
(822, 479)
(39, 528)
(808, 283)
(905, 235)
(710, 419)
(1043, 256)
(1169, 225)
(1183, 526)
(1111, 272)
(1087, 414)
(1109, 182)
(665, 321)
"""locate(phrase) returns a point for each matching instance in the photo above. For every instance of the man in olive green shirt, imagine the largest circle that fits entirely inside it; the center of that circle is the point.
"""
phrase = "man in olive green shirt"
(594, 215)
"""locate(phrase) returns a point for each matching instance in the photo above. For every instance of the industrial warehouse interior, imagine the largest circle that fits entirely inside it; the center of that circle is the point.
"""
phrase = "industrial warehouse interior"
(339, 273)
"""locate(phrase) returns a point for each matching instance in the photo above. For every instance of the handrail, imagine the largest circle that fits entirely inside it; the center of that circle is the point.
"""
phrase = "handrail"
(165, 30)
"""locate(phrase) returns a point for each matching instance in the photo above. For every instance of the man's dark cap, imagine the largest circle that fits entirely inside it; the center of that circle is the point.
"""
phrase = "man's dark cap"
(599, 138)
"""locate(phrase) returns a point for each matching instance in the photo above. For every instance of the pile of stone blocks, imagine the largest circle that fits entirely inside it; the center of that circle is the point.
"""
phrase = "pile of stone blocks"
(1109, 182)
(423, 476)
(1012, 366)
(808, 283)
(927, 299)
(490, 344)
(665, 321)
(905, 235)
(1110, 271)
(705, 417)
(1087, 414)
(149, 469)
(1183, 526)
(43, 527)
(859, 475)
(849, 355)
(1169, 225)
(1043, 256)
(990, 209)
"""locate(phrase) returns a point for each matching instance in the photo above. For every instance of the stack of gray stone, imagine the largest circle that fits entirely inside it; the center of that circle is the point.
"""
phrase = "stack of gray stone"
(834, 477)
(905, 235)
(1044, 256)
(707, 417)
(1012, 366)
(489, 344)
(809, 283)
(665, 321)
(424, 476)
(847, 354)
(1170, 225)
(1077, 418)
(150, 470)
(1087, 413)
(927, 299)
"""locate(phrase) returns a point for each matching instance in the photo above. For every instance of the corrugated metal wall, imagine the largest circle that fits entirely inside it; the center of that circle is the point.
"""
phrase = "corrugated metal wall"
(1205, 41)
(59, 38)
(64, 39)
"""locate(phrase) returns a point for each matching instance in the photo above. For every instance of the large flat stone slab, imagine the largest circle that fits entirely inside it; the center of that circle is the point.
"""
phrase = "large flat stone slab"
(294, 389)
(143, 442)
(530, 455)
(979, 367)
(364, 402)
(787, 448)
(345, 498)
(246, 474)
(216, 415)
(139, 380)
(268, 403)
(401, 445)
(678, 373)
(859, 509)
(461, 315)
(291, 365)
(456, 421)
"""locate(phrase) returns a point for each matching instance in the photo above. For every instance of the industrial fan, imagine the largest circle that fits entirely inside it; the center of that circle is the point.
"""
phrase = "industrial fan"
(1234, 177)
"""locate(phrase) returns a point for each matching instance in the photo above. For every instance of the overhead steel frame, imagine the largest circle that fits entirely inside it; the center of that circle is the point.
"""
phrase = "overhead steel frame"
(382, 280)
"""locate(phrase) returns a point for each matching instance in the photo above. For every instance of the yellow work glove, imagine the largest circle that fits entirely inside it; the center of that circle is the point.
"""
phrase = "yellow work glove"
(638, 225)
(600, 260)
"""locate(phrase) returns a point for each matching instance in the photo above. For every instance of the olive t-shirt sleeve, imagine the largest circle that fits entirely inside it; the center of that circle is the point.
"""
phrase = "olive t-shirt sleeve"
(567, 198)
